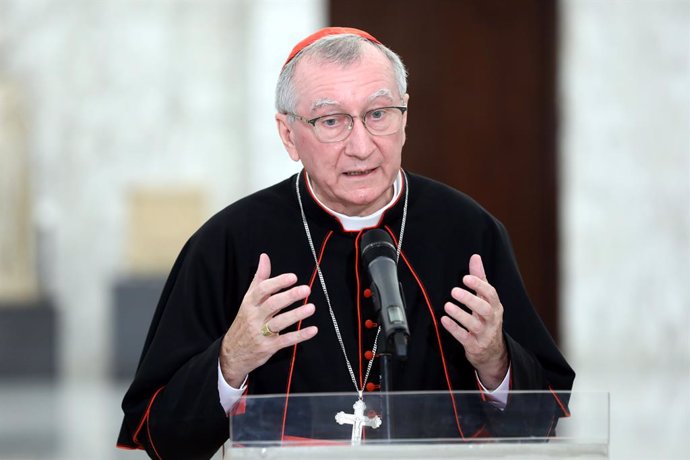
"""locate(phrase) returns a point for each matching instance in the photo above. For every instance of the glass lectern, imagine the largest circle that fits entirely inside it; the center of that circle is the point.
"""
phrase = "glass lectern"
(415, 425)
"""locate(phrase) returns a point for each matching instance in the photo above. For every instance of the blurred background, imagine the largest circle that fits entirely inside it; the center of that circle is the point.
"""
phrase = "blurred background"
(125, 124)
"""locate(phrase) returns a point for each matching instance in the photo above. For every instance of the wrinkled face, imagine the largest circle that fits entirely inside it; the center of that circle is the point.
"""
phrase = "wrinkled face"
(353, 176)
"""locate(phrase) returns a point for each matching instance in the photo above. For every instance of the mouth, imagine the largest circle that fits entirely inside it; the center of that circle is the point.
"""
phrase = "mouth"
(360, 172)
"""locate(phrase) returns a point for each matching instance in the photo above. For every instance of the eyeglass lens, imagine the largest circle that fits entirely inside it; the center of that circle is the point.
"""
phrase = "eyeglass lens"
(379, 122)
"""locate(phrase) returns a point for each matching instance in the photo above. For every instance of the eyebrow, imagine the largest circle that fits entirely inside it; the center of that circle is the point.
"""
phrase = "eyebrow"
(383, 92)
(319, 103)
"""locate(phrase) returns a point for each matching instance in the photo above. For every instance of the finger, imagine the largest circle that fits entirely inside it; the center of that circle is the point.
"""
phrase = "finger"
(266, 288)
(263, 270)
(292, 338)
(277, 302)
(460, 334)
(287, 319)
(470, 322)
(471, 301)
(483, 289)
(477, 267)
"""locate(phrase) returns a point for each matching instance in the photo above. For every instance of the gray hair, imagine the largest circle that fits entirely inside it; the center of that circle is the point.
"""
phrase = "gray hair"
(343, 49)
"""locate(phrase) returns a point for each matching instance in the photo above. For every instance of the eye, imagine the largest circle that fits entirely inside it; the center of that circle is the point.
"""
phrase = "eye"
(377, 114)
(330, 121)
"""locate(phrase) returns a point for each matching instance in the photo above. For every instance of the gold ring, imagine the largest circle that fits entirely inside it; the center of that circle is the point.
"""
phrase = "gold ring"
(266, 331)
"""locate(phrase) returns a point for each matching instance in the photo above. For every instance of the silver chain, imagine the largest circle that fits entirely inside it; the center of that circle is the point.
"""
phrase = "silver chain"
(325, 291)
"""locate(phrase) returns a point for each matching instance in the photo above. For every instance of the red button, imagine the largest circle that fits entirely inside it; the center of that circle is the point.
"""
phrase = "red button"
(369, 324)
(367, 293)
(371, 386)
(368, 355)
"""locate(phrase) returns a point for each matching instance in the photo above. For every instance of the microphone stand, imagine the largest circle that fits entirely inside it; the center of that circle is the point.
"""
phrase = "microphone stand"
(396, 341)
(386, 371)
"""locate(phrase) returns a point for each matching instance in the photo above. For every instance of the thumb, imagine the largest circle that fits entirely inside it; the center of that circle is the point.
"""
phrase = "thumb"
(477, 267)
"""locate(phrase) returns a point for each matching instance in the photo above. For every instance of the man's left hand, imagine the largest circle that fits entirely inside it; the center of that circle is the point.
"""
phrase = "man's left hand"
(481, 330)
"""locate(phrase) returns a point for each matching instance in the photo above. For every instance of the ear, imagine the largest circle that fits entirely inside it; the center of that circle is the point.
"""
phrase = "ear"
(406, 101)
(287, 134)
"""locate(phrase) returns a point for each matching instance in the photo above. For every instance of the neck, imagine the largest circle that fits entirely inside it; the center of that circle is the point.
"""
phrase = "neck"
(367, 218)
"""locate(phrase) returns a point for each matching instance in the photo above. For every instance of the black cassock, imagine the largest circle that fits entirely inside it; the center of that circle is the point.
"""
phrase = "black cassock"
(172, 408)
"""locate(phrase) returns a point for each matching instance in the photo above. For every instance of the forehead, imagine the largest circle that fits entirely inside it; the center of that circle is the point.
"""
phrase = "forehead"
(321, 83)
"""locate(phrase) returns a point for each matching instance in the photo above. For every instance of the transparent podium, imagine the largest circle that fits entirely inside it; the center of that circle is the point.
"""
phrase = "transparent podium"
(415, 425)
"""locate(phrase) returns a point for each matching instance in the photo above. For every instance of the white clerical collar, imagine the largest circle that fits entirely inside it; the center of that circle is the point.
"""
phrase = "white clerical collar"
(357, 223)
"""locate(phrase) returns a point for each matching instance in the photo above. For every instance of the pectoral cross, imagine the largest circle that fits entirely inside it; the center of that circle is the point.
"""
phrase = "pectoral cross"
(358, 421)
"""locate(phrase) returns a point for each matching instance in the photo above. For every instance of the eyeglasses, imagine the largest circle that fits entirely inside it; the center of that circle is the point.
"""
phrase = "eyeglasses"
(336, 127)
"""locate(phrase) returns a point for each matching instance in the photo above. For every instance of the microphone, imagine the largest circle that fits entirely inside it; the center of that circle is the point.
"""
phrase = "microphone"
(379, 257)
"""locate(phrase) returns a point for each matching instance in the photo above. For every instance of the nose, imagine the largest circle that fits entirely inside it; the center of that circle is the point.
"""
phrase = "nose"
(359, 143)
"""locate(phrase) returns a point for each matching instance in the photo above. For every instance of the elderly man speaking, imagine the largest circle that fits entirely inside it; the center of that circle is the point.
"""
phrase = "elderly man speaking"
(270, 295)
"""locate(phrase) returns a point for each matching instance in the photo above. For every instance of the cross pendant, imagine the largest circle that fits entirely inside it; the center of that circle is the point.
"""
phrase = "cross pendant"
(358, 421)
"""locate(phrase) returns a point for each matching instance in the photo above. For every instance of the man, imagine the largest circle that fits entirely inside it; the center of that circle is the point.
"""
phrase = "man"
(269, 295)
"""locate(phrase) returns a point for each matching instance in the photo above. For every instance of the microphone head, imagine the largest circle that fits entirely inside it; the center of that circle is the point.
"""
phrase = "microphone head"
(377, 243)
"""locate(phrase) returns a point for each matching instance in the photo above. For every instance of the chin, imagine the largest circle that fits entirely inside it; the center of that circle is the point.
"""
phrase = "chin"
(371, 198)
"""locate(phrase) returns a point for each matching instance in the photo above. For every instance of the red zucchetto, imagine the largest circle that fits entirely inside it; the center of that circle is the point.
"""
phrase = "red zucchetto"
(325, 32)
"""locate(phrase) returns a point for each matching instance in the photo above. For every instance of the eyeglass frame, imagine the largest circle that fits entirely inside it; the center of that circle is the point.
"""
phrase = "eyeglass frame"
(361, 118)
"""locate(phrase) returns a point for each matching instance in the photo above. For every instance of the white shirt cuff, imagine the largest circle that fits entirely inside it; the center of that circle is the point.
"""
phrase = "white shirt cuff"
(228, 394)
(498, 397)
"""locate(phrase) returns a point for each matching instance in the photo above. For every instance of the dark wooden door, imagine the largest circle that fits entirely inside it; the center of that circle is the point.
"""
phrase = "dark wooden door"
(482, 114)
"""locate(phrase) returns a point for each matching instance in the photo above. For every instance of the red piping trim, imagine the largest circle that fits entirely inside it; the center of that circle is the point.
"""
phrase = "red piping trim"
(553, 420)
(327, 211)
(330, 213)
(566, 413)
(483, 432)
(135, 438)
(438, 335)
(359, 318)
(479, 387)
(301, 441)
(241, 406)
(359, 311)
(125, 447)
(148, 431)
(299, 326)
(287, 392)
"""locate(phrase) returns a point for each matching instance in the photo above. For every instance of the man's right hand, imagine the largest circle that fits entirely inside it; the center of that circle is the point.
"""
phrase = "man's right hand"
(244, 347)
